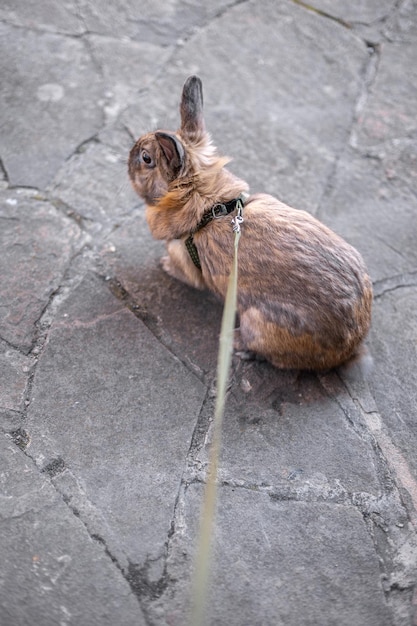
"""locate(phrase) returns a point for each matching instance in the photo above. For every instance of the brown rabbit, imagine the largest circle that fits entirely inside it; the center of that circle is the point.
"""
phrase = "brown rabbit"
(304, 295)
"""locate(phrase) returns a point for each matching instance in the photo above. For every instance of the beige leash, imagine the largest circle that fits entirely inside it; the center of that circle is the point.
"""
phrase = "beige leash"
(202, 563)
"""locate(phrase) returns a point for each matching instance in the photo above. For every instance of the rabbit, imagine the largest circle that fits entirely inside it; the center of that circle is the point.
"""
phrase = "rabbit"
(304, 296)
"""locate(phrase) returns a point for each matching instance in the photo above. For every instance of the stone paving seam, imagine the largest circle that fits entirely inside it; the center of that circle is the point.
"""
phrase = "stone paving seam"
(392, 283)
(324, 14)
(151, 322)
(367, 77)
(92, 526)
(352, 408)
(401, 490)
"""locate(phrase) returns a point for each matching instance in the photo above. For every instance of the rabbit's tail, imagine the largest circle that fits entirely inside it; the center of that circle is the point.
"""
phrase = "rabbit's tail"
(360, 366)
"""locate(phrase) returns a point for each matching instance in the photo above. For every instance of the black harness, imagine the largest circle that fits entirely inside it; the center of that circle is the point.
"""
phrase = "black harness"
(221, 209)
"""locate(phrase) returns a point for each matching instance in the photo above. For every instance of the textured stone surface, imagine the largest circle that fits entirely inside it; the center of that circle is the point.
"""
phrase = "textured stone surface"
(263, 564)
(116, 409)
(102, 192)
(46, 15)
(275, 152)
(158, 22)
(37, 243)
(389, 113)
(108, 366)
(299, 438)
(394, 344)
(384, 233)
(52, 570)
(49, 102)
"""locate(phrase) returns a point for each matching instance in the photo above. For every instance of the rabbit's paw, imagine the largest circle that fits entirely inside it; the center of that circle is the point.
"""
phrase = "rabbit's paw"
(240, 348)
(171, 267)
(186, 272)
(166, 264)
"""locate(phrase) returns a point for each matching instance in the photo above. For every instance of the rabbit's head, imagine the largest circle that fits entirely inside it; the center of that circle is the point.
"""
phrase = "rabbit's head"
(158, 159)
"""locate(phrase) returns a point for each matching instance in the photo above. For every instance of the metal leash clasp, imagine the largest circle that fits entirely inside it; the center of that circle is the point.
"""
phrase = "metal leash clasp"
(238, 219)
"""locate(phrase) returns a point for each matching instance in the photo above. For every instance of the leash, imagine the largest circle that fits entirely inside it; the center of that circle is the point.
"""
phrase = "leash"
(202, 564)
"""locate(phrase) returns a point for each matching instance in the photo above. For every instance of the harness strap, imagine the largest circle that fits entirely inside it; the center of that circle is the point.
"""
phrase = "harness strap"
(218, 210)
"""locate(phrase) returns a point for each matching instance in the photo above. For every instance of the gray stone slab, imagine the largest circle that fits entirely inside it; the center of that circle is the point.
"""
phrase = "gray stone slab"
(132, 255)
(389, 113)
(102, 193)
(52, 571)
(127, 67)
(47, 15)
(161, 22)
(402, 25)
(49, 102)
(37, 243)
(371, 205)
(282, 133)
(116, 409)
(280, 563)
(282, 430)
(393, 342)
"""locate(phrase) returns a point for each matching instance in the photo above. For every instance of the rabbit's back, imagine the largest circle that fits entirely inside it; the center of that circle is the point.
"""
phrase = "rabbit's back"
(302, 288)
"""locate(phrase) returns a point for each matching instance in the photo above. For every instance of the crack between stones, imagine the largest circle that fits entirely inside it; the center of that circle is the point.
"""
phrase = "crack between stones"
(138, 576)
(147, 589)
(4, 172)
(390, 246)
(369, 74)
(44, 323)
(57, 467)
(225, 10)
(196, 28)
(324, 14)
(307, 492)
(392, 468)
(150, 321)
(385, 517)
(14, 347)
(367, 78)
(98, 538)
(353, 23)
(43, 31)
(176, 47)
(393, 283)
(94, 59)
(46, 317)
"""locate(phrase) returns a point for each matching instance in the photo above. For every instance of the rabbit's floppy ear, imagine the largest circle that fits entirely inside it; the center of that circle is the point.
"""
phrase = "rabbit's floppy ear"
(192, 121)
(172, 149)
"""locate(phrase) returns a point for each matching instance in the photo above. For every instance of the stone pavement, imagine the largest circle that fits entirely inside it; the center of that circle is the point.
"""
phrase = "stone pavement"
(107, 365)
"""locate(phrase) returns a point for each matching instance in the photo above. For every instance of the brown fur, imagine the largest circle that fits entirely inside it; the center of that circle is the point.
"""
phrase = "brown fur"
(304, 296)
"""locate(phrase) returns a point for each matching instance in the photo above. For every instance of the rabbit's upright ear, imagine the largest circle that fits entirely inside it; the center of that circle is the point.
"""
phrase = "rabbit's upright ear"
(192, 120)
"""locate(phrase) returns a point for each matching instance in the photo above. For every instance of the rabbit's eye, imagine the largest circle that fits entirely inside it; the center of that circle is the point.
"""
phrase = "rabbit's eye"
(146, 158)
